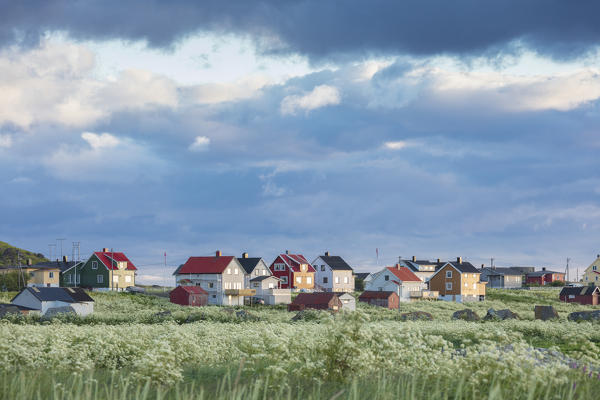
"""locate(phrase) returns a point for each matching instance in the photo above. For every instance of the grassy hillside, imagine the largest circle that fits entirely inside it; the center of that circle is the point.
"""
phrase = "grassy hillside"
(9, 255)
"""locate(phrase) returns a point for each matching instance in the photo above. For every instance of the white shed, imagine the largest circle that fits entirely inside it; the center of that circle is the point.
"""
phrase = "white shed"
(348, 302)
(46, 298)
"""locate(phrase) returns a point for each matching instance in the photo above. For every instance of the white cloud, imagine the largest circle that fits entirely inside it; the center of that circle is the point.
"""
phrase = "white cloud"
(5, 141)
(213, 93)
(398, 145)
(320, 96)
(98, 141)
(201, 143)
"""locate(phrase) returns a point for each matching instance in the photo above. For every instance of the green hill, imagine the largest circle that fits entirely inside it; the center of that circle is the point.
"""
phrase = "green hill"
(9, 255)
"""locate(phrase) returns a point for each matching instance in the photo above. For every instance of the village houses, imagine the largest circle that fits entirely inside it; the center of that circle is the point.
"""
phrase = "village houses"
(400, 280)
(458, 281)
(333, 274)
(591, 275)
(294, 272)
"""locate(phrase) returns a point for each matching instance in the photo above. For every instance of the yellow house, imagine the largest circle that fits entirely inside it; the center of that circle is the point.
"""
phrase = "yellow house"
(458, 281)
(37, 276)
(591, 276)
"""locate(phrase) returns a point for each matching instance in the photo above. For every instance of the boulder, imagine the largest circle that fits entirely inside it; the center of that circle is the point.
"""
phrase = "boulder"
(466, 315)
(163, 314)
(416, 316)
(242, 314)
(52, 312)
(545, 313)
(500, 314)
(585, 316)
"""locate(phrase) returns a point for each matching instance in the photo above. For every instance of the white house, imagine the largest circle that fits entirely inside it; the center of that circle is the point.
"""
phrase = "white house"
(348, 302)
(253, 267)
(47, 298)
(267, 288)
(333, 274)
(221, 276)
(400, 280)
(424, 269)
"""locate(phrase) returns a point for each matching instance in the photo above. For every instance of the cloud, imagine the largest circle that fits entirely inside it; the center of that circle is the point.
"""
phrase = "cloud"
(320, 96)
(309, 27)
(397, 145)
(201, 143)
(5, 141)
(99, 141)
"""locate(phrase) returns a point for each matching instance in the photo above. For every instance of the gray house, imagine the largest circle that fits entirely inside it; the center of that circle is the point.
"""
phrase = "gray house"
(253, 267)
(507, 278)
(45, 299)
(348, 302)
(267, 288)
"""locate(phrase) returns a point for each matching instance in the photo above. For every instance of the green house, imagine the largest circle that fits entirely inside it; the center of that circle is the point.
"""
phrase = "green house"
(104, 270)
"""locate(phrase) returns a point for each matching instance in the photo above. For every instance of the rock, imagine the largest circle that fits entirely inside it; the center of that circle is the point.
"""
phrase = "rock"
(8, 309)
(545, 313)
(585, 316)
(466, 315)
(163, 314)
(242, 314)
(416, 316)
(500, 314)
(52, 312)
(299, 316)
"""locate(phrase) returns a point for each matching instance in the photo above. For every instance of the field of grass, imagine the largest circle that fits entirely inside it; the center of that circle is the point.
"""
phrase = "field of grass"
(143, 347)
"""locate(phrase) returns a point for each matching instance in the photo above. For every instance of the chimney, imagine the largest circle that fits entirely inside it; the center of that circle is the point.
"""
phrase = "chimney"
(543, 268)
(287, 252)
(65, 259)
(244, 255)
(105, 250)
(398, 266)
(439, 261)
(459, 260)
(218, 253)
(482, 266)
(326, 254)
(29, 261)
(414, 258)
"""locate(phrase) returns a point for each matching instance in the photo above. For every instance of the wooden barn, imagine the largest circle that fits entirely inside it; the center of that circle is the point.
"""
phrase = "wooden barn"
(580, 294)
(380, 298)
(189, 296)
(318, 301)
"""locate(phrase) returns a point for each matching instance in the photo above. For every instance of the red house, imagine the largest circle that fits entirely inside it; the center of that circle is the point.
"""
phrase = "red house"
(317, 301)
(189, 296)
(294, 271)
(380, 298)
(580, 294)
(544, 277)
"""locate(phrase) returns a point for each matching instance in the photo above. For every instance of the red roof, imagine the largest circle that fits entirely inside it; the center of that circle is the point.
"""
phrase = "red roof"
(294, 260)
(314, 298)
(205, 265)
(194, 289)
(374, 294)
(107, 256)
(404, 274)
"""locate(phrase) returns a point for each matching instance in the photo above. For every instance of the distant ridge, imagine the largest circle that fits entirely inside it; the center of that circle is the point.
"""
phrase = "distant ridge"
(9, 255)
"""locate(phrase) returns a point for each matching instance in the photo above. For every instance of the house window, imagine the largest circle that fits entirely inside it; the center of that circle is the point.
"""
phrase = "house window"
(594, 268)
(255, 284)
(337, 279)
(387, 277)
(78, 279)
(99, 279)
(229, 271)
(68, 278)
(324, 279)
(51, 275)
(303, 267)
(271, 285)
(308, 280)
(116, 278)
(128, 278)
(322, 268)
(466, 284)
(448, 285)
(474, 286)
(298, 279)
(284, 280)
(448, 274)
(571, 296)
(346, 280)
(214, 296)
(263, 272)
(94, 265)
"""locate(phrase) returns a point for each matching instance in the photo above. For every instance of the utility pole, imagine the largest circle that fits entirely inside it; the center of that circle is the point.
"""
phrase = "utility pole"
(567, 269)
(61, 246)
(164, 283)
(50, 246)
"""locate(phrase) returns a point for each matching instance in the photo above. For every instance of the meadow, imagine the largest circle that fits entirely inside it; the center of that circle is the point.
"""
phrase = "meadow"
(143, 347)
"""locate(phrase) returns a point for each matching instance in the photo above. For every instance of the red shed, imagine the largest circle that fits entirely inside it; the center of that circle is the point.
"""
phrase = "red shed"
(380, 298)
(580, 294)
(189, 296)
(319, 301)
(544, 277)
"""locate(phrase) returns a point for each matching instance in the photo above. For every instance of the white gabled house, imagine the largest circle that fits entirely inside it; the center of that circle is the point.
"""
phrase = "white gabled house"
(333, 274)
(43, 299)
(400, 280)
(253, 268)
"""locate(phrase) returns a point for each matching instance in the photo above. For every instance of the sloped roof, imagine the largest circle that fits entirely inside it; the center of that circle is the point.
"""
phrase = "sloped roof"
(205, 265)
(404, 274)
(68, 295)
(263, 277)
(414, 265)
(465, 267)
(249, 263)
(193, 289)
(375, 294)
(61, 265)
(336, 263)
(110, 259)
(542, 273)
(293, 261)
(362, 275)
(314, 298)
(502, 271)
(579, 290)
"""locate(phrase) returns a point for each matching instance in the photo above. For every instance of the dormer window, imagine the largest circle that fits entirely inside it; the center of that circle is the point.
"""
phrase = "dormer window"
(387, 277)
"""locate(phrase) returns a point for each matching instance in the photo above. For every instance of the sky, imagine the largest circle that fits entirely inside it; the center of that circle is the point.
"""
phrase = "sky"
(435, 129)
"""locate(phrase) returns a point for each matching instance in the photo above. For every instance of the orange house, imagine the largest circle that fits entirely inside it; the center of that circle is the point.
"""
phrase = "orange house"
(458, 281)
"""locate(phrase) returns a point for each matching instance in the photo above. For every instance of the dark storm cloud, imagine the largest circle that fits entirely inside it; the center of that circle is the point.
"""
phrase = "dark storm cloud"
(322, 29)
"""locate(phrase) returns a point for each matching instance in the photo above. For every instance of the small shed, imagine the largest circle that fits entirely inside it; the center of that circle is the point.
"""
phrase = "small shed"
(580, 294)
(348, 302)
(386, 299)
(318, 301)
(189, 296)
(43, 299)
